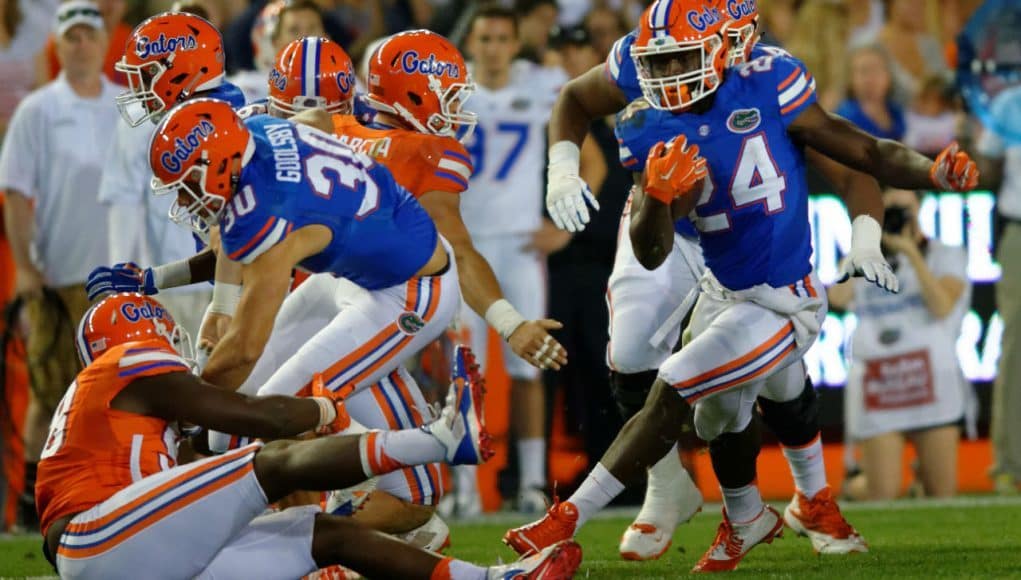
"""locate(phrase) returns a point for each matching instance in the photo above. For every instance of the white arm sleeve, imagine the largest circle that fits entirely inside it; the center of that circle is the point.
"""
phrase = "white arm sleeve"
(21, 153)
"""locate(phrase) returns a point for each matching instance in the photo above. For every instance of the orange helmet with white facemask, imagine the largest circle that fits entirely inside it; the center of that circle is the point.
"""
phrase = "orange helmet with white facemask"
(681, 51)
(311, 73)
(420, 77)
(742, 30)
(128, 317)
(197, 154)
(168, 59)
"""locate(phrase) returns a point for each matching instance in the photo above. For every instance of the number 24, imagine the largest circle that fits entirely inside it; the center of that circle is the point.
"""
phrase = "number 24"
(756, 180)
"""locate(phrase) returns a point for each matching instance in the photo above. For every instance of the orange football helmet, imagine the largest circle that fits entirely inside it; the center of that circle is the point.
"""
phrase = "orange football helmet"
(311, 73)
(128, 317)
(681, 51)
(420, 77)
(197, 154)
(742, 30)
(168, 58)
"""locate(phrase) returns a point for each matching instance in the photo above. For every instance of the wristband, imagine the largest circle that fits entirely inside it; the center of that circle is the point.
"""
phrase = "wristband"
(503, 317)
(866, 233)
(327, 411)
(172, 275)
(225, 298)
(564, 159)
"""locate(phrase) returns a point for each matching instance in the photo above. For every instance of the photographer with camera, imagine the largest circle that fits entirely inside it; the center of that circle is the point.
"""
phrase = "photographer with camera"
(904, 381)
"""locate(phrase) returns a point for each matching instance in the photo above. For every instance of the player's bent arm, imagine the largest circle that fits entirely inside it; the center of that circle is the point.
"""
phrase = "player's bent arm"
(265, 284)
(652, 227)
(581, 101)
(860, 191)
(888, 161)
(183, 397)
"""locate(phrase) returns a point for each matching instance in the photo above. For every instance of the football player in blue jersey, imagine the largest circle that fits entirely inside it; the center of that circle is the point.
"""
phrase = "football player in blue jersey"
(758, 311)
(647, 308)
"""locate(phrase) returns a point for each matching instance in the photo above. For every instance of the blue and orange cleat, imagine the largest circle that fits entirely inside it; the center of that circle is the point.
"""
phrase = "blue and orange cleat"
(461, 427)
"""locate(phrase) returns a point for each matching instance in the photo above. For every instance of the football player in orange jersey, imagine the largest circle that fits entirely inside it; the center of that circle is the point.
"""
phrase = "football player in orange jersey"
(112, 499)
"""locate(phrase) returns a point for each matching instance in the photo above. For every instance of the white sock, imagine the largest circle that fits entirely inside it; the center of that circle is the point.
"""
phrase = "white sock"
(667, 480)
(461, 570)
(532, 460)
(807, 467)
(598, 490)
(386, 451)
(743, 504)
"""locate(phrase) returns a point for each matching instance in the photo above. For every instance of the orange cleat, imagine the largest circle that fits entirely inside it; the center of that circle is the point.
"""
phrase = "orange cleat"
(557, 525)
(820, 520)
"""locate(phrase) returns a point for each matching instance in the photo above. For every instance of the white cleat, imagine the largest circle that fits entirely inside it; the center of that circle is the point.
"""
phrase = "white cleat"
(820, 520)
(461, 427)
(433, 536)
(556, 562)
(670, 500)
(733, 541)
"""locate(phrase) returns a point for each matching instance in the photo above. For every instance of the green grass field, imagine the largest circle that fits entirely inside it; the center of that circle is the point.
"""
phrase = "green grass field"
(968, 538)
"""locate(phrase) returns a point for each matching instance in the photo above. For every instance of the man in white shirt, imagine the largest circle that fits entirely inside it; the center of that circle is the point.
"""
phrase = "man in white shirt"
(50, 169)
(1001, 165)
(502, 209)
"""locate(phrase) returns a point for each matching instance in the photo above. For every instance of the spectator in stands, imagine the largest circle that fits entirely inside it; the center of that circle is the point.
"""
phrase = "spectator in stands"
(777, 20)
(279, 23)
(869, 104)
(538, 19)
(1000, 163)
(819, 39)
(934, 117)
(604, 26)
(243, 34)
(904, 381)
(117, 33)
(50, 168)
(915, 55)
(23, 29)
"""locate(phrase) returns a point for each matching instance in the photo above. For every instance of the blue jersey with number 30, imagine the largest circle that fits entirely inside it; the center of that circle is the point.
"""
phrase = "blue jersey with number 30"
(752, 214)
(299, 176)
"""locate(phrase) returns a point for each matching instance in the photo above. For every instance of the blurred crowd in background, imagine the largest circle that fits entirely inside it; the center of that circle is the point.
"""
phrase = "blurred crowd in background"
(887, 65)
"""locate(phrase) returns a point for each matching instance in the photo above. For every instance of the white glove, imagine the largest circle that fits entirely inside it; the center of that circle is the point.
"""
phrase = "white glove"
(865, 258)
(567, 194)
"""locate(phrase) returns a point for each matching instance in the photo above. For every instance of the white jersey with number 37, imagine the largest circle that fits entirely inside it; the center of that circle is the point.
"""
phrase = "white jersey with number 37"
(508, 149)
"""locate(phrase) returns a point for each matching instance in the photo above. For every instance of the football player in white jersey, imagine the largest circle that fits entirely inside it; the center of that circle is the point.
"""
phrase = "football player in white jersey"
(502, 209)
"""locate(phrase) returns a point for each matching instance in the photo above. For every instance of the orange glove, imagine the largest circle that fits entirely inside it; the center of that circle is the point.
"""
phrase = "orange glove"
(326, 399)
(673, 170)
(953, 170)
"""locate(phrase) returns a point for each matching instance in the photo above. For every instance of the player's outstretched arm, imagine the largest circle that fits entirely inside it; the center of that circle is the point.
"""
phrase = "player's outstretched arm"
(864, 201)
(266, 282)
(530, 339)
(183, 397)
(888, 161)
(581, 101)
(130, 277)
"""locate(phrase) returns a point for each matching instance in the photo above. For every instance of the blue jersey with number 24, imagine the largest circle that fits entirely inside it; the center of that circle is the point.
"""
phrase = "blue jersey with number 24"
(752, 214)
(299, 176)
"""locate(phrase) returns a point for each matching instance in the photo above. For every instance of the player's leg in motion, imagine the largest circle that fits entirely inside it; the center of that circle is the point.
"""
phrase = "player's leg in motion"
(641, 301)
(720, 371)
(792, 414)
